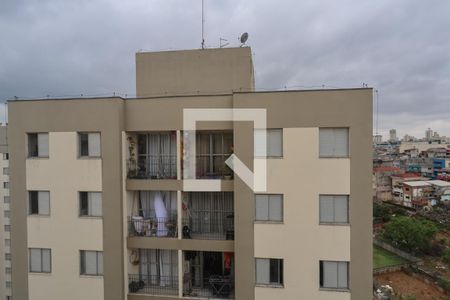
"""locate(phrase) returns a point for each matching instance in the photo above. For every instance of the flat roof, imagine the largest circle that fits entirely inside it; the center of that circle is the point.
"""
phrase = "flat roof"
(416, 183)
(439, 183)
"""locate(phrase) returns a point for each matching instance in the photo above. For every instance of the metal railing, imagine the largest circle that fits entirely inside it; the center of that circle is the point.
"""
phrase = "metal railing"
(152, 227)
(221, 228)
(153, 284)
(153, 167)
(212, 287)
(213, 167)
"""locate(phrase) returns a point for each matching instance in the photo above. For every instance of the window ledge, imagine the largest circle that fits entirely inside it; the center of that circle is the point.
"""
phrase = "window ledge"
(334, 157)
(91, 276)
(38, 157)
(275, 286)
(40, 273)
(334, 224)
(269, 222)
(91, 217)
(39, 216)
(345, 290)
(89, 157)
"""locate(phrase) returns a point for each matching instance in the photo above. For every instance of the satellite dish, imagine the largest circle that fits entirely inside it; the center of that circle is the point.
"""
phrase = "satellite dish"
(244, 38)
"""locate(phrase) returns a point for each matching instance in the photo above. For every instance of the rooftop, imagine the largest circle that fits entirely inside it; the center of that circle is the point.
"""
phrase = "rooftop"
(416, 183)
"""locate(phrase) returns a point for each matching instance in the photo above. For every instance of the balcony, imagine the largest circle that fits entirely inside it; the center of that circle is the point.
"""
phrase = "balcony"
(153, 285)
(209, 275)
(152, 156)
(208, 216)
(212, 149)
(152, 227)
(153, 214)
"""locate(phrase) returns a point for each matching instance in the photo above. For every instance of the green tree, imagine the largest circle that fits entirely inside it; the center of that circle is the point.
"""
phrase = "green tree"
(446, 256)
(381, 213)
(410, 234)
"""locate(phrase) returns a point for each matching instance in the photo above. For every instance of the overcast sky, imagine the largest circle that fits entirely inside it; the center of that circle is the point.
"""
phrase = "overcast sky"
(401, 47)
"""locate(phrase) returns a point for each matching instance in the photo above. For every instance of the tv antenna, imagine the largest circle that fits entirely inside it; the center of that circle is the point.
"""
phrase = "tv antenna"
(221, 45)
(203, 24)
(243, 39)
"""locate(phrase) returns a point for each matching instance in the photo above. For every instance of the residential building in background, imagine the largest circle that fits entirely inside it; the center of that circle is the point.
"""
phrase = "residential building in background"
(393, 135)
(5, 223)
(104, 214)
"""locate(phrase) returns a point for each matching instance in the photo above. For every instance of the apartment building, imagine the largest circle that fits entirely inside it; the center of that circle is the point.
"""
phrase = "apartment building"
(5, 225)
(105, 212)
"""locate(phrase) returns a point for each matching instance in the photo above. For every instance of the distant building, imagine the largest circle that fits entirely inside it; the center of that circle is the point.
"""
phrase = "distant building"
(383, 182)
(377, 139)
(393, 135)
(5, 225)
(428, 134)
(421, 146)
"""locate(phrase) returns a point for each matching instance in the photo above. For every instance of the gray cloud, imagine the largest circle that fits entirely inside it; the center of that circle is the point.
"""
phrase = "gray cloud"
(50, 47)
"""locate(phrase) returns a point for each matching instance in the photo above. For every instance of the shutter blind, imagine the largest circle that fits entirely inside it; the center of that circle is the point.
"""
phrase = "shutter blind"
(94, 144)
(43, 144)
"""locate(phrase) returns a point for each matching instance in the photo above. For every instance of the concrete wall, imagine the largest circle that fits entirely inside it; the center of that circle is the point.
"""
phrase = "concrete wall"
(304, 241)
(64, 232)
(208, 71)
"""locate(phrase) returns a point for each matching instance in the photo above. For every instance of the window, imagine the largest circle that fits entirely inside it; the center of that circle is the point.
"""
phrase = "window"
(40, 260)
(39, 203)
(8, 286)
(333, 208)
(269, 208)
(334, 274)
(5, 156)
(38, 145)
(91, 204)
(7, 242)
(6, 185)
(274, 143)
(5, 171)
(6, 199)
(91, 262)
(269, 271)
(8, 270)
(7, 256)
(212, 150)
(333, 142)
(7, 214)
(157, 155)
(89, 144)
(7, 228)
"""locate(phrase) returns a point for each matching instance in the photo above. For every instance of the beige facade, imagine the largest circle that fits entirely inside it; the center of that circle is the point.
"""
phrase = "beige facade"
(199, 244)
(5, 235)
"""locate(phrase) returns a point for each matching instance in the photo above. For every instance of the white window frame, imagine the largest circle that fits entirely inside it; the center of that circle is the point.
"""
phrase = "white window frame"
(267, 261)
(338, 286)
(90, 200)
(334, 222)
(90, 140)
(269, 220)
(41, 270)
(99, 270)
(40, 136)
(268, 141)
(333, 155)
(39, 193)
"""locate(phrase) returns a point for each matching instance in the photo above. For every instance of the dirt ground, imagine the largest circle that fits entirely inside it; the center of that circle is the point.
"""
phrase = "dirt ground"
(404, 284)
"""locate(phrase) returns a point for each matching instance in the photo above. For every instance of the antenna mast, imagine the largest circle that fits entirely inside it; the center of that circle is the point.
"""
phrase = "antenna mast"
(203, 24)
(376, 92)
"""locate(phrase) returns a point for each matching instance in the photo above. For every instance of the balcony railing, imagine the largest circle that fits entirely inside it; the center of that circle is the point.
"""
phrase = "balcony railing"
(153, 284)
(212, 287)
(152, 227)
(153, 167)
(221, 228)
